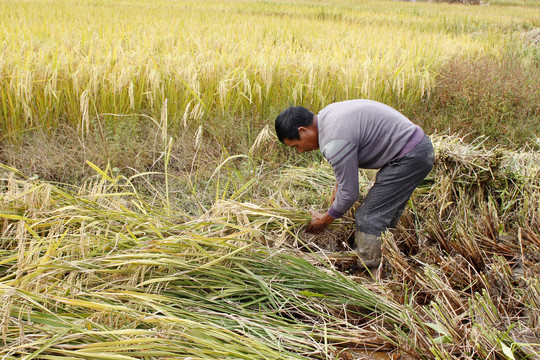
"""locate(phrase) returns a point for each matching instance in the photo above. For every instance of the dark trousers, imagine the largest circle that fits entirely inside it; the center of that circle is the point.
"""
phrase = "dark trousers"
(394, 185)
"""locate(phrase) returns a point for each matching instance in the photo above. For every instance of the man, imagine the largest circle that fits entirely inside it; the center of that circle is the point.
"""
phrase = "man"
(362, 134)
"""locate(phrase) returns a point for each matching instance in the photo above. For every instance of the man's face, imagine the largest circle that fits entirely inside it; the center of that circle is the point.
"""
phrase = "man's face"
(308, 141)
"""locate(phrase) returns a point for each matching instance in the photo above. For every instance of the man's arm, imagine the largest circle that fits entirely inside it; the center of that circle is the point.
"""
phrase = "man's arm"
(345, 166)
(343, 156)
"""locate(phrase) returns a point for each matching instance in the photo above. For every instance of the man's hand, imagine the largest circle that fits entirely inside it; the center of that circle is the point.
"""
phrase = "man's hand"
(318, 222)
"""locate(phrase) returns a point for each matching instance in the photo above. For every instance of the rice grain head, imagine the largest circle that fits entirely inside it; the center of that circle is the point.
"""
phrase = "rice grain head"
(264, 135)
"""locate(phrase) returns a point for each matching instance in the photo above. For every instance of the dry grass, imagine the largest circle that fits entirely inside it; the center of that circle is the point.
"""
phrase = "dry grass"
(105, 271)
(485, 96)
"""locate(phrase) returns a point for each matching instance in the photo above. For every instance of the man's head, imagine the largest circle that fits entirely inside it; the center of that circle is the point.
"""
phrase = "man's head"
(296, 127)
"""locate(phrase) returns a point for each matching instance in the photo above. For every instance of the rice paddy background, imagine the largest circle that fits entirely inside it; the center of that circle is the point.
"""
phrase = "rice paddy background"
(147, 211)
(75, 62)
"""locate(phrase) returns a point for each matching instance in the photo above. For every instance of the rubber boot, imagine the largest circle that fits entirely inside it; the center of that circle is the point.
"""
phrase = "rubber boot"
(368, 248)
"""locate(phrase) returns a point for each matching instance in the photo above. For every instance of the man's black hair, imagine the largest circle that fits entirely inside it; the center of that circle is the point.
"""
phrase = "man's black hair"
(288, 122)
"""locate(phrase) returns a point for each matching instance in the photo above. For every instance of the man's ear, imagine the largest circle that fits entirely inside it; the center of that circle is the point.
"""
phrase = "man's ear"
(302, 129)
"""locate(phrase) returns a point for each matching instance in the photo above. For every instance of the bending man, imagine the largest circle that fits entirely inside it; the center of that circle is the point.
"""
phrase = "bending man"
(362, 134)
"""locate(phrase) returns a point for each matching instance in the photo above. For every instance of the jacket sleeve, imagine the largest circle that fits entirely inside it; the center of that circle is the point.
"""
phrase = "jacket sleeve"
(343, 156)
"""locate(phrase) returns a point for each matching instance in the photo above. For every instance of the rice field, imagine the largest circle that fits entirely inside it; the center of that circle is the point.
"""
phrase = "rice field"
(73, 62)
(199, 250)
